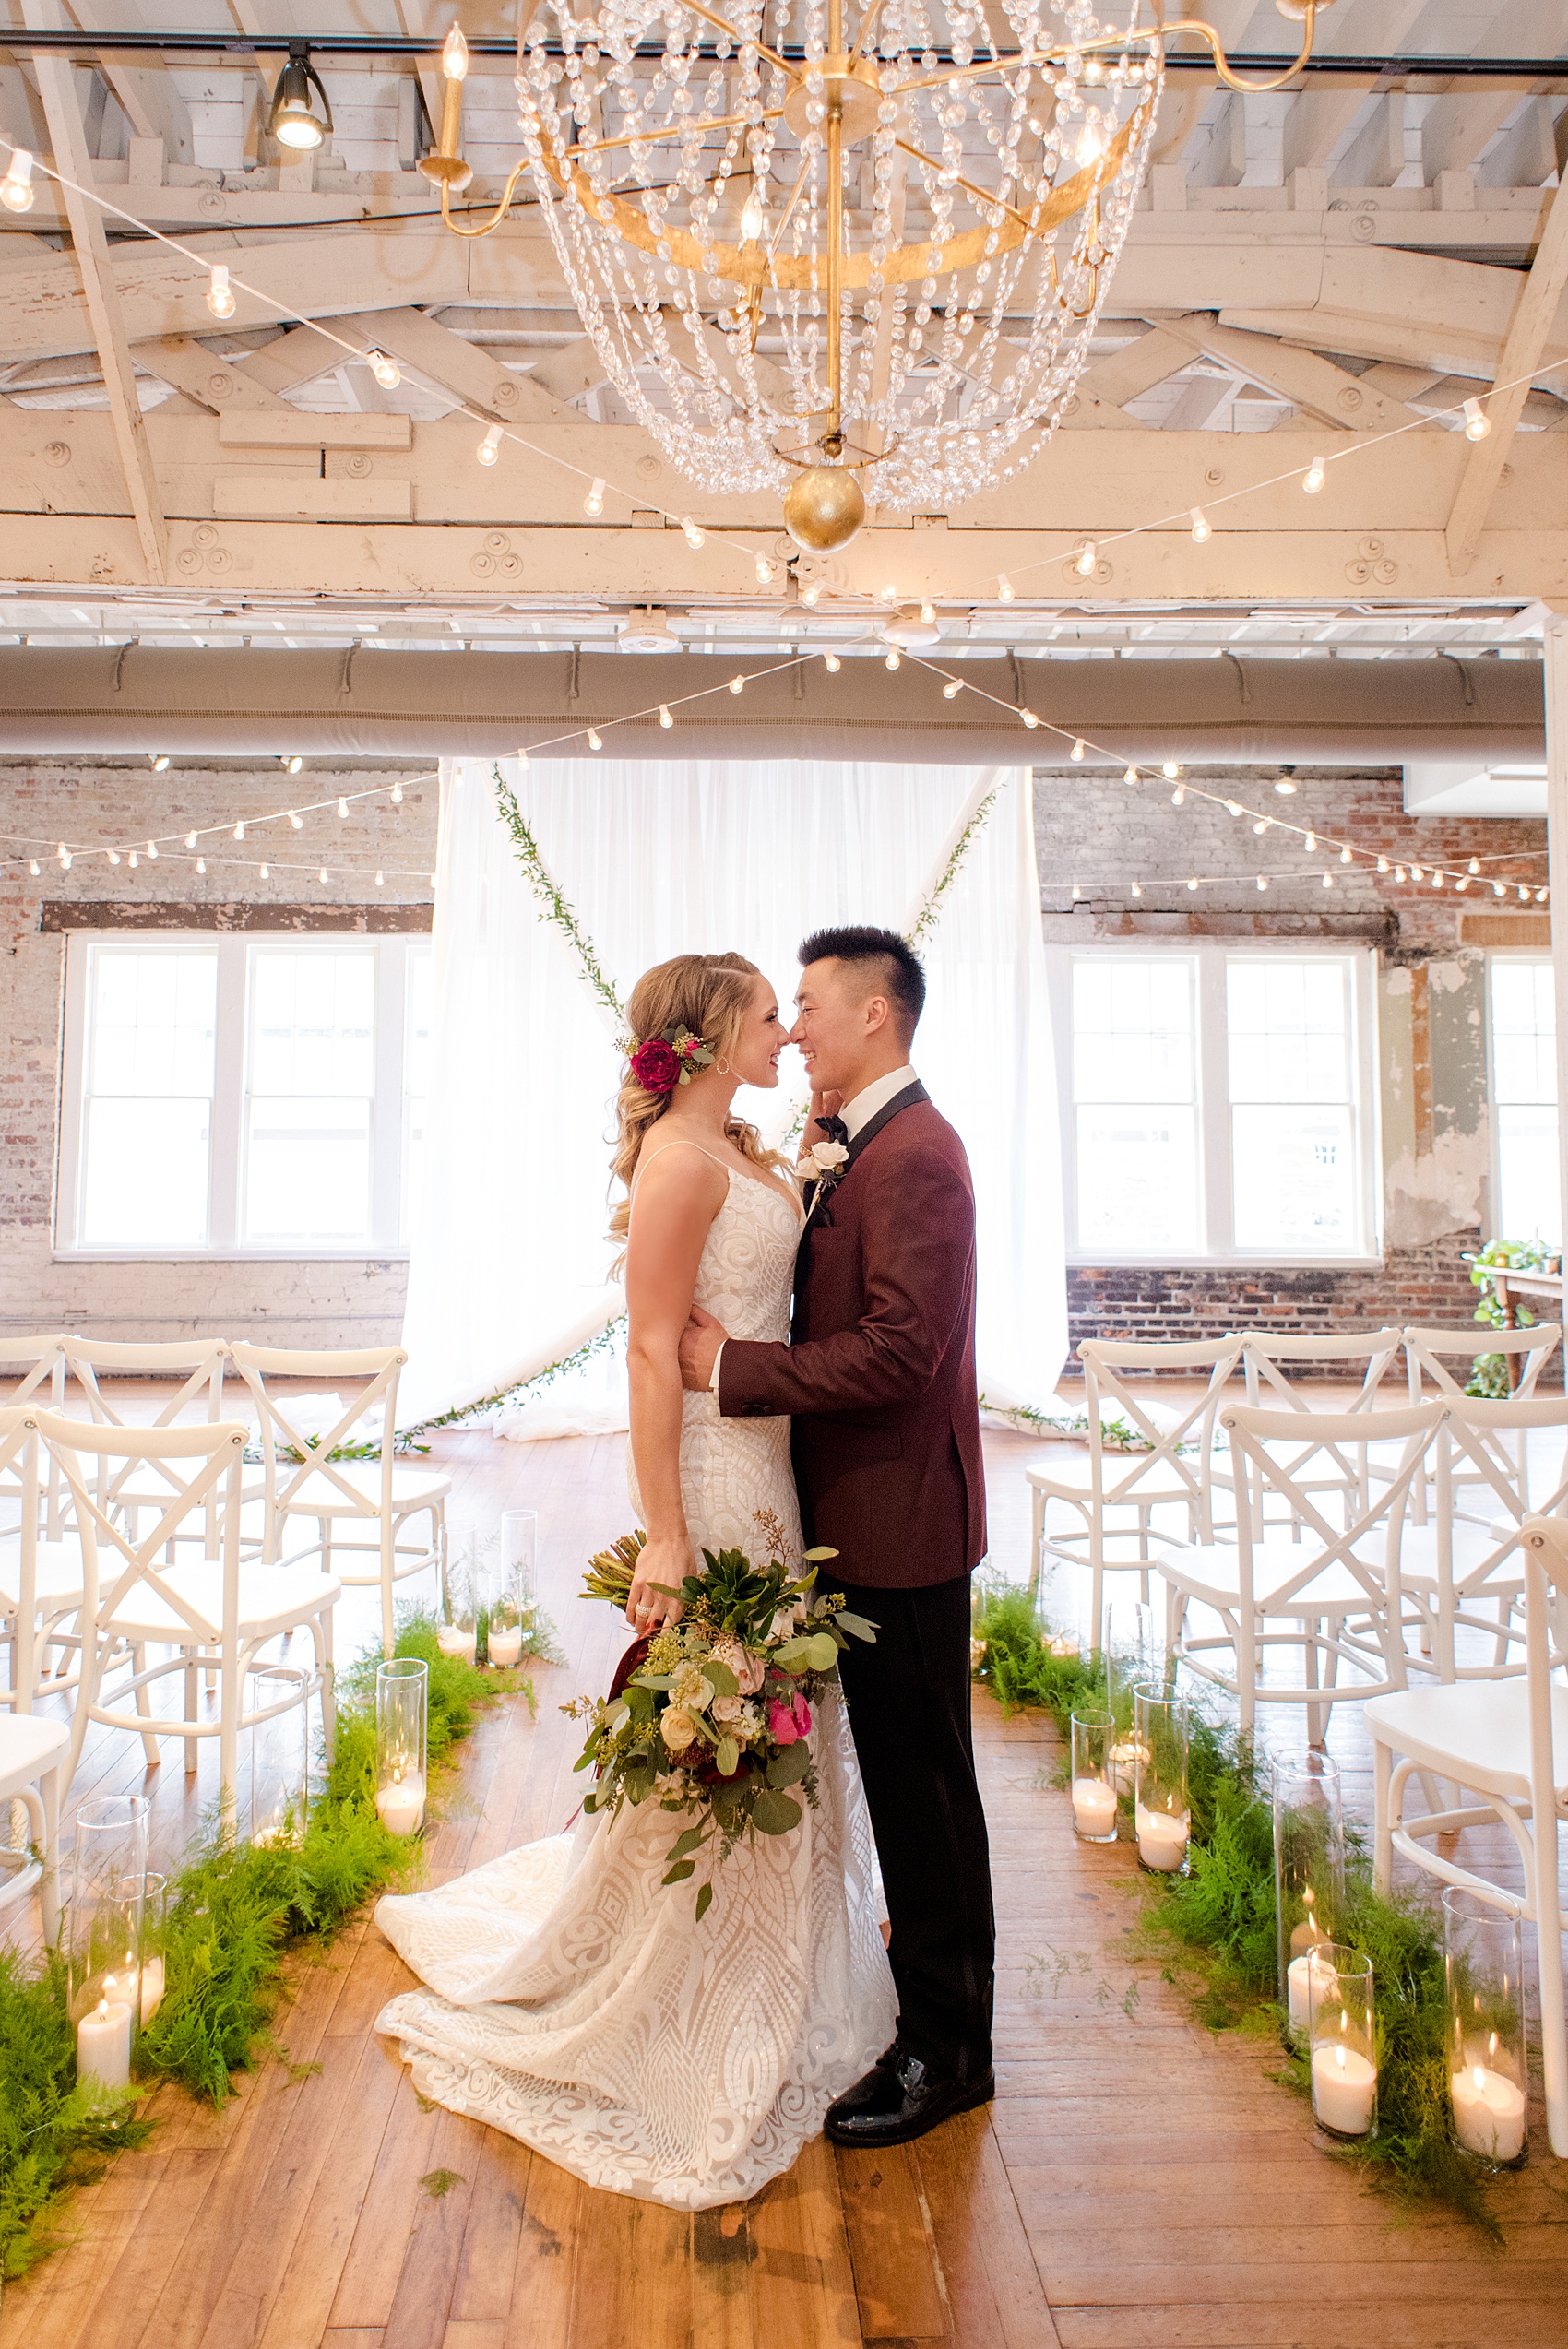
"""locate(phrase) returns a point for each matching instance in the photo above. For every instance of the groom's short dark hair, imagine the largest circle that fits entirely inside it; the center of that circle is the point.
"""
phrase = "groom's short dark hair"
(902, 975)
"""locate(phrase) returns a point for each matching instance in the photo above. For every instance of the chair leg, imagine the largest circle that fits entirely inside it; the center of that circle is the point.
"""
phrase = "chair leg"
(144, 1706)
(231, 1700)
(1037, 1539)
(193, 1698)
(328, 1685)
(1548, 1944)
(1382, 1826)
(48, 1889)
(1317, 1715)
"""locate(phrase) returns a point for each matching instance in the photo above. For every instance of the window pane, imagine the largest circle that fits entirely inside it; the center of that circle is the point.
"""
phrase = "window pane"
(1137, 1180)
(416, 1080)
(1294, 1176)
(307, 1169)
(1133, 1028)
(1526, 1201)
(312, 1023)
(145, 1173)
(1528, 1206)
(1287, 1026)
(1524, 1033)
(153, 1023)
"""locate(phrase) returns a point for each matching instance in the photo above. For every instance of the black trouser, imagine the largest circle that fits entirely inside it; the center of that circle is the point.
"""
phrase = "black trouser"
(908, 1704)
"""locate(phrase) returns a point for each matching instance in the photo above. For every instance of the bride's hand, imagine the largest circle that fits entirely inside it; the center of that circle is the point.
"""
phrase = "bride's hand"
(666, 1558)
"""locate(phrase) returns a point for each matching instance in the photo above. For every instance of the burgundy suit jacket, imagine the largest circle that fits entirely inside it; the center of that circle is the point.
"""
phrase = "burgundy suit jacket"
(879, 1377)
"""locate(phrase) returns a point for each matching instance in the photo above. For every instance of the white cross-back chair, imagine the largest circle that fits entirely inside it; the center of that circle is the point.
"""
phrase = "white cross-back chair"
(1113, 1494)
(1429, 1352)
(41, 1580)
(32, 1752)
(1464, 1570)
(31, 1369)
(1508, 1745)
(1293, 1579)
(1317, 1463)
(139, 1594)
(198, 1363)
(358, 1507)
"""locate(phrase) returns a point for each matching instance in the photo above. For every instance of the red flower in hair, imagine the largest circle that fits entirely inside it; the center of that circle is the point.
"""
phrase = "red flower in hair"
(655, 1066)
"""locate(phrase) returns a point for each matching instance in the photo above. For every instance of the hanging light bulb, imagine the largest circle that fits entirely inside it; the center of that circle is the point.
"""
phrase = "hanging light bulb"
(928, 613)
(1344, 857)
(664, 717)
(322, 875)
(490, 447)
(1310, 844)
(396, 795)
(190, 839)
(1285, 786)
(832, 662)
(1541, 897)
(264, 871)
(1497, 888)
(1478, 423)
(595, 741)
(160, 763)
(1234, 807)
(522, 757)
(433, 880)
(1076, 754)
(342, 809)
(220, 293)
(1328, 880)
(737, 685)
(1398, 873)
(381, 881)
(1003, 587)
(293, 763)
(135, 861)
(1438, 879)
(887, 594)
(201, 864)
(1179, 796)
(152, 851)
(810, 593)
(114, 856)
(296, 821)
(594, 502)
(1030, 720)
(1263, 881)
(1523, 893)
(386, 371)
(1260, 827)
(66, 860)
(1314, 477)
(1383, 864)
(892, 662)
(1077, 893)
(1131, 776)
(692, 534)
(1202, 528)
(1137, 889)
(951, 691)
(17, 192)
(1088, 555)
(294, 119)
(1475, 865)
(1170, 768)
(764, 571)
(1417, 872)
(239, 831)
(1462, 883)
(1192, 884)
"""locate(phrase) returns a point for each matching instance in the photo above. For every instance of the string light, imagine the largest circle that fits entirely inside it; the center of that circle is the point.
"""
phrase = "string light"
(1170, 768)
(160, 763)
(201, 864)
(810, 593)
(1030, 720)
(1285, 786)
(152, 851)
(1417, 873)
(886, 595)
(1201, 527)
(397, 792)
(1003, 589)
(1478, 423)
(387, 373)
(953, 688)
(764, 571)
(1192, 884)
(489, 448)
(220, 293)
(190, 839)
(595, 741)
(1076, 752)
(1541, 895)
(381, 881)
(264, 871)
(1314, 477)
(296, 822)
(1383, 864)
(114, 856)
(1260, 827)
(892, 661)
(1088, 555)
(33, 867)
(1328, 880)
(1398, 873)
(239, 831)
(1344, 857)
(322, 875)
(1131, 777)
(664, 717)
(737, 685)
(928, 614)
(594, 502)
(693, 536)
(831, 662)
(292, 762)
(1077, 893)
(1263, 881)
(1497, 888)
(1179, 796)
(135, 861)
(1234, 807)
(17, 192)
(342, 808)
(1137, 889)
(1310, 844)
(1475, 865)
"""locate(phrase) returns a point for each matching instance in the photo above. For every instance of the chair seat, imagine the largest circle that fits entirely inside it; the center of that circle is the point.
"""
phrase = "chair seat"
(321, 1495)
(29, 1744)
(1211, 1573)
(272, 1598)
(1418, 1557)
(1478, 1733)
(59, 1580)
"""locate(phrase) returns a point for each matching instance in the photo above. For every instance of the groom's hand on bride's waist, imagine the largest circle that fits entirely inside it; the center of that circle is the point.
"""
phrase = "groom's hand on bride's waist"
(700, 1342)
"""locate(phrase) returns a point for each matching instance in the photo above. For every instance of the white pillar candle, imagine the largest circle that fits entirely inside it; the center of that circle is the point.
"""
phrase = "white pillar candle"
(1094, 1806)
(1298, 1983)
(152, 1987)
(452, 1640)
(1344, 2090)
(1162, 1838)
(1489, 2113)
(401, 1803)
(505, 1647)
(103, 2044)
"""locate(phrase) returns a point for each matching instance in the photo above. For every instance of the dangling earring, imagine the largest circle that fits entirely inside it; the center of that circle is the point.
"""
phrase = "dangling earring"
(722, 1066)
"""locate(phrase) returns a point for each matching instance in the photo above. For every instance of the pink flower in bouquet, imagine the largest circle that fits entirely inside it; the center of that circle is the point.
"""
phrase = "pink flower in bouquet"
(789, 1719)
(750, 1670)
(655, 1066)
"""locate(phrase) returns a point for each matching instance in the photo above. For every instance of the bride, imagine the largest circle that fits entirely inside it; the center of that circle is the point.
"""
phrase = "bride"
(572, 1999)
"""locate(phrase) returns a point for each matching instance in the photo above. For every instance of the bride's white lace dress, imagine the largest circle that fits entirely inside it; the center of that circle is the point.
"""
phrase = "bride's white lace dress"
(571, 1999)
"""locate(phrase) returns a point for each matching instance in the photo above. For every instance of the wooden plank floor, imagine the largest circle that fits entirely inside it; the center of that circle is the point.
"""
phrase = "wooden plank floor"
(1137, 2182)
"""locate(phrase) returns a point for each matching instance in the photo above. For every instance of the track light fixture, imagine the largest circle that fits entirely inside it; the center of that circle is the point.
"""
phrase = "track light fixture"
(296, 120)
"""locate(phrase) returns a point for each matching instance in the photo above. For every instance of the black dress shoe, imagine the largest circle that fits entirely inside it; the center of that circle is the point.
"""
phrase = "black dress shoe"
(899, 2099)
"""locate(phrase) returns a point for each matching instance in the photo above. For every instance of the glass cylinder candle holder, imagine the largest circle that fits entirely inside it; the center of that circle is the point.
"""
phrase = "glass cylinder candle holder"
(1133, 1653)
(273, 1810)
(1342, 2036)
(154, 1941)
(1161, 1812)
(1094, 1792)
(520, 1555)
(402, 1717)
(104, 1935)
(1309, 1875)
(1488, 2067)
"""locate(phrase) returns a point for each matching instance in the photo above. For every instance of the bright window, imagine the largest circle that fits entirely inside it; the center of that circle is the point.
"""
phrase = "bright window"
(243, 1095)
(1216, 1104)
(1526, 1201)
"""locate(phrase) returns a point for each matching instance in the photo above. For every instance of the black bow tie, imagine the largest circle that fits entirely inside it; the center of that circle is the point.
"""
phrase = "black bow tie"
(834, 1129)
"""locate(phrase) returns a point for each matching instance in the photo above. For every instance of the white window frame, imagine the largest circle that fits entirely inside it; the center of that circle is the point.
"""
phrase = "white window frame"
(1493, 1139)
(389, 1122)
(1213, 1090)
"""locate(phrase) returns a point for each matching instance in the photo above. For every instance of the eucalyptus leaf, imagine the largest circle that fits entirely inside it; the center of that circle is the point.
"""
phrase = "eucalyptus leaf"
(856, 1625)
(727, 1760)
(719, 1677)
(705, 1896)
(678, 1874)
(774, 1813)
(684, 1844)
(814, 1557)
(790, 1764)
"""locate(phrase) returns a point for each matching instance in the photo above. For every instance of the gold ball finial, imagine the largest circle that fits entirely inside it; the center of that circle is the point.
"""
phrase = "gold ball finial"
(823, 507)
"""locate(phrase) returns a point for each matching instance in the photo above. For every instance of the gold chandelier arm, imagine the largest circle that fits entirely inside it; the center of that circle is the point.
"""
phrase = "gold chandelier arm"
(1234, 81)
(982, 194)
(793, 198)
(676, 130)
(496, 217)
(868, 19)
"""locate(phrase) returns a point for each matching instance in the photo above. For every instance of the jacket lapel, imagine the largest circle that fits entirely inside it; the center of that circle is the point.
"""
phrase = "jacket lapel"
(868, 1133)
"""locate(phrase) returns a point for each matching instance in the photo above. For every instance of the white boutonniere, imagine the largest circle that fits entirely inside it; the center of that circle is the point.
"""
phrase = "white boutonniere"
(824, 1164)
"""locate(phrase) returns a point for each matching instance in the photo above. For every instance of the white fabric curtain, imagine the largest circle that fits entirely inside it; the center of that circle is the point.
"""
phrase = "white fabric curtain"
(509, 1262)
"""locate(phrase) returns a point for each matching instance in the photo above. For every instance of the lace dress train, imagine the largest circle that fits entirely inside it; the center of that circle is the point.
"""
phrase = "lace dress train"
(571, 1999)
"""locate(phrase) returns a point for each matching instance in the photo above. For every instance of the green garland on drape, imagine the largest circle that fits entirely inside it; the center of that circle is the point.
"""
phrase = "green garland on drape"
(236, 1910)
(1220, 1920)
(606, 1338)
(925, 920)
(558, 910)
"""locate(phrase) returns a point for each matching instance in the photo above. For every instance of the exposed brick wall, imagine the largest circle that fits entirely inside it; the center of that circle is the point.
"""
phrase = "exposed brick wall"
(350, 1301)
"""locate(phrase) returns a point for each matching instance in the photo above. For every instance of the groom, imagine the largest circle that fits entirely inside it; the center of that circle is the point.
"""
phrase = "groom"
(880, 1381)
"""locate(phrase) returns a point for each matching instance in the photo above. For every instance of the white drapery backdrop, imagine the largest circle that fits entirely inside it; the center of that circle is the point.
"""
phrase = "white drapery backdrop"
(510, 1263)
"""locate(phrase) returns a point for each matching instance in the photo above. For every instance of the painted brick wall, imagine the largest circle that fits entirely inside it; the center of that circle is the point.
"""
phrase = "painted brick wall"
(1095, 831)
(355, 1301)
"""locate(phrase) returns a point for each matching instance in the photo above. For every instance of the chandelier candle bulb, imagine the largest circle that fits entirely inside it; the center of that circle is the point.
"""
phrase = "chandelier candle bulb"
(17, 192)
(1478, 423)
(1314, 477)
(489, 448)
(220, 293)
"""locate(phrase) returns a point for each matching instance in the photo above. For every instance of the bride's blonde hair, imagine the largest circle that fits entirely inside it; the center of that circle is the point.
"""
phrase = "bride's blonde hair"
(710, 995)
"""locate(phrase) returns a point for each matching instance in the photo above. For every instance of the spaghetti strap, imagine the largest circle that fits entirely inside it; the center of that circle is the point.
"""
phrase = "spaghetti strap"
(678, 1142)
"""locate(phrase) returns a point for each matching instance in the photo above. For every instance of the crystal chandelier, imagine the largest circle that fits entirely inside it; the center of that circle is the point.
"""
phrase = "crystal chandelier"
(835, 259)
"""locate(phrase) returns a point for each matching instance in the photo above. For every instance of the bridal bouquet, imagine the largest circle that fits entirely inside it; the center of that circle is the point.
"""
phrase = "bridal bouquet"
(713, 1723)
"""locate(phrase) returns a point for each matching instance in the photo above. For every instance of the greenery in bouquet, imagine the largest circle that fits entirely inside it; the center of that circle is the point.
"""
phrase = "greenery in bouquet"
(715, 1722)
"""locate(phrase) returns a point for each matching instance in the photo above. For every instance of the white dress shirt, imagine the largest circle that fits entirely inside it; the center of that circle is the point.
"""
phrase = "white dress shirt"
(868, 1101)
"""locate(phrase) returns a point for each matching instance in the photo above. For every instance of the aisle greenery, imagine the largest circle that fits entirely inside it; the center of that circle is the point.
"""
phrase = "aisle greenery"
(236, 1911)
(1216, 1926)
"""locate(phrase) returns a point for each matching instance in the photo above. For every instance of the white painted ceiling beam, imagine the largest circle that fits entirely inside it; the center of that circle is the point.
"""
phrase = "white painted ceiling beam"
(1539, 301)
